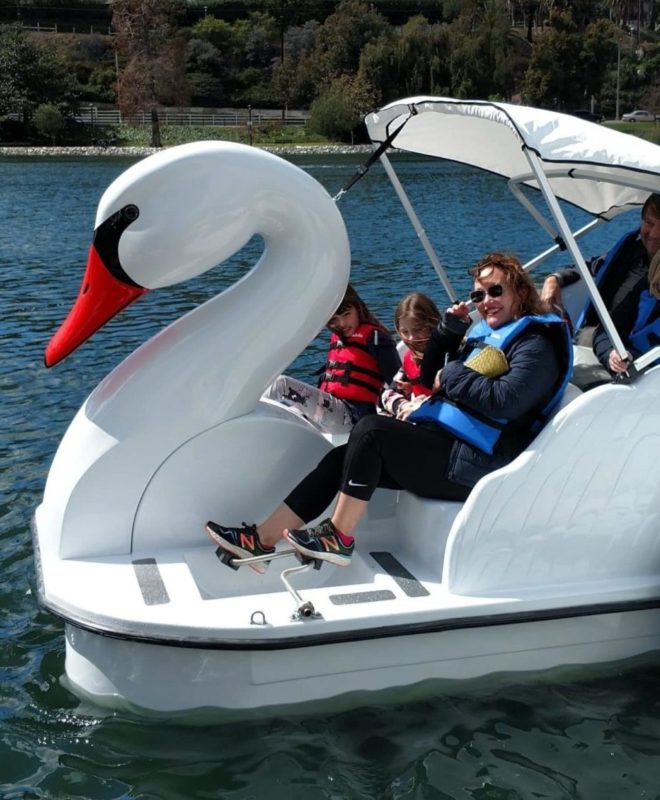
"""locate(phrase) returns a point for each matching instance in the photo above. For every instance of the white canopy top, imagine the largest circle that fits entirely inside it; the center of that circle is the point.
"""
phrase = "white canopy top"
(597, 169)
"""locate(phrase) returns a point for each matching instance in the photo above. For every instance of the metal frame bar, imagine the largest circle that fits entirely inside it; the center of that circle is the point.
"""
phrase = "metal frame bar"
(631, 180)
(646, 359)
(419, 229)
(541, 257)
(516, 191)
(578, 259)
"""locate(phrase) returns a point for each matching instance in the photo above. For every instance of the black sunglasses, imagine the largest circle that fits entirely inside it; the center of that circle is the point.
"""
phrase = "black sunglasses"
(479, 295)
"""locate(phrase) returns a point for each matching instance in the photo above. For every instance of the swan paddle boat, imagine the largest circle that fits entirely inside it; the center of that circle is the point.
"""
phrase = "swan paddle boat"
(553, 560)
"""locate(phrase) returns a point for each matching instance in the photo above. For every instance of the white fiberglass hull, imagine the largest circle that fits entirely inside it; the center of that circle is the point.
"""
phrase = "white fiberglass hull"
(552, 560)
(169, 679)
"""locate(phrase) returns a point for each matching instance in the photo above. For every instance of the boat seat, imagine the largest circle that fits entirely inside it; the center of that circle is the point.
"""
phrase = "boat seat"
(424, 524)
(422, 527)
(572, 391)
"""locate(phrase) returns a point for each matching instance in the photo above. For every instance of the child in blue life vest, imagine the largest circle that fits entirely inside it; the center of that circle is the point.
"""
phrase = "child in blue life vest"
(637, 319)
(361, 359)
(415, 319)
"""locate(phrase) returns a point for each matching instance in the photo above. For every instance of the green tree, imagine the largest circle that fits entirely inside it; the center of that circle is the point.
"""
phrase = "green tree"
(553, 79)
(481, 52)
(288, 13)
(152, 70)
(284, 84)
(237, 58)
(341, 107)
(597, 53)
(32, 75)
(48, 120)
(342, 37)
(218, 32)
(410, 60)
(422, 57)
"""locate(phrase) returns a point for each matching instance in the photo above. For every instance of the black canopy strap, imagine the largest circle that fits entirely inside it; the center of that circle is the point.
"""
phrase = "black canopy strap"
(362, 170)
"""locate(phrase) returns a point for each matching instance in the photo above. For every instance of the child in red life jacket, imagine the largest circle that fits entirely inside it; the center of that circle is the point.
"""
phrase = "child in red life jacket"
(362, 358)
(415, 318)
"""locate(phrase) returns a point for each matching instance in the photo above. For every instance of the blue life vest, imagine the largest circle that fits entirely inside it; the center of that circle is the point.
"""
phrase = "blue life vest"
(645, 334)
(602, 270)
(479, 430)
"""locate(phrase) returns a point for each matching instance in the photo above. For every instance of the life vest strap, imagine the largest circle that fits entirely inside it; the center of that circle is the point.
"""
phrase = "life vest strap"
(347, 367)
(339, 344)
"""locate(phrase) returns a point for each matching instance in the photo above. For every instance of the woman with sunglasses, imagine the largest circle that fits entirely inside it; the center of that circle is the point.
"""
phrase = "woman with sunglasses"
(432, 458)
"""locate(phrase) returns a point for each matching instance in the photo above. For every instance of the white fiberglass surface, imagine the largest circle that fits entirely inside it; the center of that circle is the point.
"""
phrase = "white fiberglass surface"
(493, 137)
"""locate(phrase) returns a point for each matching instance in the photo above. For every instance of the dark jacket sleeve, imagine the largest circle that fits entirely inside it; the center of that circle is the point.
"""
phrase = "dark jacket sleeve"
(444, 343)
(528, 385)
(383, 349)
(570, 275)
(623, 317)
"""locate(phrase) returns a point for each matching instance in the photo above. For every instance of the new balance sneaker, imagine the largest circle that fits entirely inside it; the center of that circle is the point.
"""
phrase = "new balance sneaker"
(242, 542)
(321, 542)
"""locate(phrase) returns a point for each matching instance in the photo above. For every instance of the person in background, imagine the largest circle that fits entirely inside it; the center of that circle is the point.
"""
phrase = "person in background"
(415, 319)
(618, 274)
(437, 457)
(362, 358)
(637, 318)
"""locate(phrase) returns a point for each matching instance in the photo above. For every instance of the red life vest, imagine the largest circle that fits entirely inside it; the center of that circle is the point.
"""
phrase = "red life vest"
(351, 372)
(411, 374)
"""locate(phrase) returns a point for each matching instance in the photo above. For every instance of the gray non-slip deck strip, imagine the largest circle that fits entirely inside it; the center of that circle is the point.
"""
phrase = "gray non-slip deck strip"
(395, 569)
(362, 597)
(150, 581)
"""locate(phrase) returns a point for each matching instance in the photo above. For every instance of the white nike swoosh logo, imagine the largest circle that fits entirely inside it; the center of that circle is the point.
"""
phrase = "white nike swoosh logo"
(352, 483)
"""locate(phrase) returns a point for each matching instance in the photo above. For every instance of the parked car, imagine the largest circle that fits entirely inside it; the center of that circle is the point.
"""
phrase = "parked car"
(584, 113)
(640, 115)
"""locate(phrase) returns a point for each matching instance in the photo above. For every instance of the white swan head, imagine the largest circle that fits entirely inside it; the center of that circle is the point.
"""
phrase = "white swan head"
(176, 214)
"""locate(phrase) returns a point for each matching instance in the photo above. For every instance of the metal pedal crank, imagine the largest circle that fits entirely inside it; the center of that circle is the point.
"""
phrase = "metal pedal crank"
(305, 609)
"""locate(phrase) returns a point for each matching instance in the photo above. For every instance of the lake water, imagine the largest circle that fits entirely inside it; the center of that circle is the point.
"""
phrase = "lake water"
(588, 734)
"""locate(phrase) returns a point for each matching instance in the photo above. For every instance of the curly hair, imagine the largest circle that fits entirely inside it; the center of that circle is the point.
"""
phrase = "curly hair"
(529, 301)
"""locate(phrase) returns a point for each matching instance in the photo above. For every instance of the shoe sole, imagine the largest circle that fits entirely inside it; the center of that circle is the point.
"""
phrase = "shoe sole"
(260, 567)
(332, 558)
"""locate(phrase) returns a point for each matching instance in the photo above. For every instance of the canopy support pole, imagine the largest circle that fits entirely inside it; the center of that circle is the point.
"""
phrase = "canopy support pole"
(574, 250)
(417, 225)
(534, 212)
(541, 257)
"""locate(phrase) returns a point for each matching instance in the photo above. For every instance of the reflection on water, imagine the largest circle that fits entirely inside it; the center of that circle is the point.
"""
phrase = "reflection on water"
(587, 736)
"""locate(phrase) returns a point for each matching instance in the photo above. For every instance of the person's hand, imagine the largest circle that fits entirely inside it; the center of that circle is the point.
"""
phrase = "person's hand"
(460, 310)
(405, 387)
(406, 408)
(551, 292)
(616, 363)
(437, 382)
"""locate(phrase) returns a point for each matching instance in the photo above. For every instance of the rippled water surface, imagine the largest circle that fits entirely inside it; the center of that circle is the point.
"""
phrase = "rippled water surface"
(593, 735)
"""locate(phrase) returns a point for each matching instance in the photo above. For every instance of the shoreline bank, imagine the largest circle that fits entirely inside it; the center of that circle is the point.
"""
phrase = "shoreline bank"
(137, 152)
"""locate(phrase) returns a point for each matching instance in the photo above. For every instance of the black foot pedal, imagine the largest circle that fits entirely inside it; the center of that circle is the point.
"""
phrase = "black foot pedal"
(317, 563)
(227, 558)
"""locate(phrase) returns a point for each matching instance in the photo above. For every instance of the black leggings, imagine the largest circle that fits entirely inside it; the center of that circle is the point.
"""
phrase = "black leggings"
(381, 452)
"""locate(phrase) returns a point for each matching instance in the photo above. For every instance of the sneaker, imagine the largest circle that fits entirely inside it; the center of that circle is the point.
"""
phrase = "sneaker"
(322, 543)
(242, 542)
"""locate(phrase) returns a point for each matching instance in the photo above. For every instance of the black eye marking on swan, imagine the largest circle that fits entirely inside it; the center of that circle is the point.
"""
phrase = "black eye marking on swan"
(131, 212)
(106, 240)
